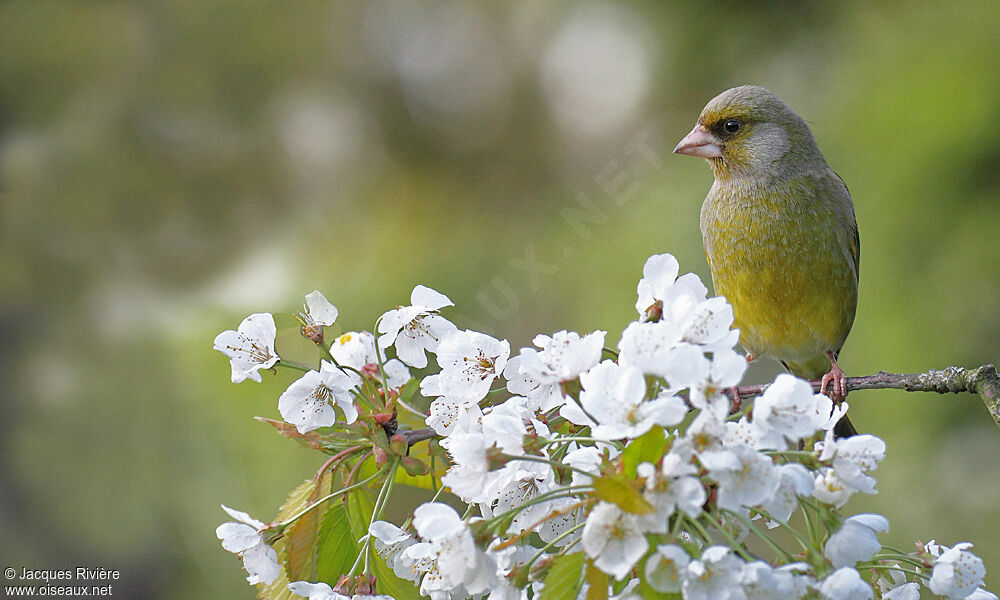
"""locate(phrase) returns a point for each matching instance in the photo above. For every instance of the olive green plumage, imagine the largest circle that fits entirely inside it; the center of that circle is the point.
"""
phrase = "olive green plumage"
(779, 230)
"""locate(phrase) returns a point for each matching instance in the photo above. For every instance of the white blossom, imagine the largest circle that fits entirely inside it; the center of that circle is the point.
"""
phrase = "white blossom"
(852, 457)
(614, 396)
(587, 458)
(856, 540)
(666, 567)
(519, 383)
(904, 591)
(244, 540)
(796, 481)
(317, 312)
(447, 412)
(322, 591)
(671, 488)
(716, 575)
(788, 411)
(315, 591)
(416, 328)
(613, 539)
(957, 572)
(845, 584)
(655, 349)
(828, 488)
(761, 581)
(561, 358)
(469, 361)
(447, 555)
(357, 350)
(708, 388)
(308, 402)
(751, 479)
(658, 275)
(390, 541)
(470, 477)
(250, 347)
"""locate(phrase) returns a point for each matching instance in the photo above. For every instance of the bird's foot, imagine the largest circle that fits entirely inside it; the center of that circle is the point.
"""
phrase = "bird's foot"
(838, 392)
(735, 402)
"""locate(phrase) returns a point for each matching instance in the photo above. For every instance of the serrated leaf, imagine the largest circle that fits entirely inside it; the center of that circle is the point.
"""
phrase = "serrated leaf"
(387, 582)
(563, 579)
(598, 582)
(297, 499)
(301, 538)
(336, 545)
(621, 494)
(359, 507)
(648, 447)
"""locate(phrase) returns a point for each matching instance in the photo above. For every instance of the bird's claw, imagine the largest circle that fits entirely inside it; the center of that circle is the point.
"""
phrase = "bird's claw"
(735, 402)
(836, 376)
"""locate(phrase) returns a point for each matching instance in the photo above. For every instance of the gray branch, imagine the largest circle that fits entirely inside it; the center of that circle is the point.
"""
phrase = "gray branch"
(982, 381)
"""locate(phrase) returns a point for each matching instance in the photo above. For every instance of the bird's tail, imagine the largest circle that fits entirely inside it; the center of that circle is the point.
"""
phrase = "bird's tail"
(844, 428)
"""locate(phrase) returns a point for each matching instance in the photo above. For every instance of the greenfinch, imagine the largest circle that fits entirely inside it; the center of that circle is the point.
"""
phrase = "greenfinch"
(780, 234)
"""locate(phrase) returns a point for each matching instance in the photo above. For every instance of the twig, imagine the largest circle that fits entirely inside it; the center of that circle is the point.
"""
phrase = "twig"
(418, 435)
(982, 381)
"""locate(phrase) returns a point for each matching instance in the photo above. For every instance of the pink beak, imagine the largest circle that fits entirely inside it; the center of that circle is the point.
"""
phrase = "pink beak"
(700, 142)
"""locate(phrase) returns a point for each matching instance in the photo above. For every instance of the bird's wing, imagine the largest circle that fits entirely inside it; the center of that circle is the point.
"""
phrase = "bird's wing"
(846, 206)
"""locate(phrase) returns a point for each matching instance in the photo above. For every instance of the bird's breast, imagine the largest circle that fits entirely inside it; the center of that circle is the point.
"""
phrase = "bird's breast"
(778, 256)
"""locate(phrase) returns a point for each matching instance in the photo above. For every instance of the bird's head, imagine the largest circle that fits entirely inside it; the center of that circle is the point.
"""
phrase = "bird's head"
(748, 132)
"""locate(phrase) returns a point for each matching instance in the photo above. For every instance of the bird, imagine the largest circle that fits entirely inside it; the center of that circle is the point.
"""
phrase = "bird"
(780, 235)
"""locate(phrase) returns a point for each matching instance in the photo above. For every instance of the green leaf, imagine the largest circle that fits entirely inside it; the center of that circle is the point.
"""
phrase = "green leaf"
(562, 582)
(277, 589)
(336, 545)
(360, 505)
(648, 447)
(617, 491)
(301, 538)
(387, 582)
(598, 581)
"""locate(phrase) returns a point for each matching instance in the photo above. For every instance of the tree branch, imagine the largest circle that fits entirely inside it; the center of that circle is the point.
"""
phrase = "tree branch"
(982, 381)
(418, 435)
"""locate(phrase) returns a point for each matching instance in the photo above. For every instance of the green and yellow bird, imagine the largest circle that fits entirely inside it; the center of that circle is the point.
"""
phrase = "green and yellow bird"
(780, 234)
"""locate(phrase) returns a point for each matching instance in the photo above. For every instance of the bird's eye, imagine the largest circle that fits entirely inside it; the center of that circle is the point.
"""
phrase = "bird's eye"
(732, 125)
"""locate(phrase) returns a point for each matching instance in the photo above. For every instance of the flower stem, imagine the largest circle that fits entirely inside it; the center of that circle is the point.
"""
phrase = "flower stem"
(293, 366)
(299, 514)
(738, 547)
(553, 543)
(806, 546)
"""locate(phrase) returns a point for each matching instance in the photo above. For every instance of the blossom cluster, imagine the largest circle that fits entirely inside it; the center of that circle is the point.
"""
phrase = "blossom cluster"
(635, 469)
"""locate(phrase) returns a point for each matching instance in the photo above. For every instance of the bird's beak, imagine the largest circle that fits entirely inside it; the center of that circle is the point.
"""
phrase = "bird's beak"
(700, 142)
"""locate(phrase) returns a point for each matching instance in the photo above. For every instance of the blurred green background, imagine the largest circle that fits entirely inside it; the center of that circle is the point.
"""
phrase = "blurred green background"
(168, 167)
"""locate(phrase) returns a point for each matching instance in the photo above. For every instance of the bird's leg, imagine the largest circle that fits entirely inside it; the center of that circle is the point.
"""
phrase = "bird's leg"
(837, 377)
(735, 402)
